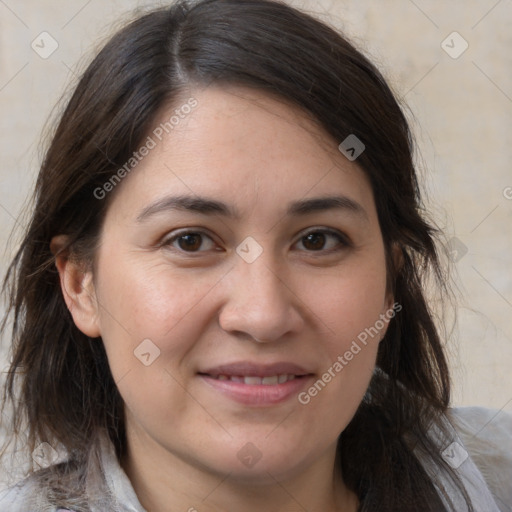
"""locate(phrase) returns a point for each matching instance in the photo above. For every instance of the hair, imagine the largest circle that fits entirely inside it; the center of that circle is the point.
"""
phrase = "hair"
(66, 392)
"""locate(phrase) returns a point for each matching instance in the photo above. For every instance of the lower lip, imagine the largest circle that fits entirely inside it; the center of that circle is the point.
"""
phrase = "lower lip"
(258, 394)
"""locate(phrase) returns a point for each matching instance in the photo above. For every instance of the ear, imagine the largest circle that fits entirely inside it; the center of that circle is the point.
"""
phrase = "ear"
(77, 285)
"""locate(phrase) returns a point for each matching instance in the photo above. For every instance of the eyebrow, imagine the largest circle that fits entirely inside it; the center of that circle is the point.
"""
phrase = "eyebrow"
(207, 206)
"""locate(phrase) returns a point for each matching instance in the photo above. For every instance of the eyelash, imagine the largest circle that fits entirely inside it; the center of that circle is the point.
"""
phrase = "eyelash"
(342, 240)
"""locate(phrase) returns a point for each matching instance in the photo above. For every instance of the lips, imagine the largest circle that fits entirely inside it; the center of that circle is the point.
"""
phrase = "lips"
(249, 369)
(254, 380)
(257, 384)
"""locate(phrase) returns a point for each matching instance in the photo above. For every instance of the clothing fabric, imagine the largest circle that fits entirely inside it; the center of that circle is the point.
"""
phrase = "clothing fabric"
(479, 448)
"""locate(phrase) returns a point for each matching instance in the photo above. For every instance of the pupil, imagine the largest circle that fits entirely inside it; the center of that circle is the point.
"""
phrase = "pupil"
(314, 241)
(190, 242)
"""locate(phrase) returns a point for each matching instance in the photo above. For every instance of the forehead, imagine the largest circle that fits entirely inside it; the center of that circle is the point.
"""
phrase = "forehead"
(244, 147)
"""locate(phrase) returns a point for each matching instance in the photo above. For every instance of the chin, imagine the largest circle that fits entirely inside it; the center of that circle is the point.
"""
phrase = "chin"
(262, 463)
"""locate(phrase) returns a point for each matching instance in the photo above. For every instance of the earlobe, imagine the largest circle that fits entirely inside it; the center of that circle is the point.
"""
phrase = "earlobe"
(77, 286)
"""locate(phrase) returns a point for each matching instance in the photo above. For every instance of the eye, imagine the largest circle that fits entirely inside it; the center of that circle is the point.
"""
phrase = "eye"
(323, 240)
(190, 241)
(318, 240)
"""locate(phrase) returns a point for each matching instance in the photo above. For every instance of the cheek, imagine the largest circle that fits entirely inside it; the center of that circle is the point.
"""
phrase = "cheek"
(149, 309)
(349, 309)
(152, 317)
(350, 304)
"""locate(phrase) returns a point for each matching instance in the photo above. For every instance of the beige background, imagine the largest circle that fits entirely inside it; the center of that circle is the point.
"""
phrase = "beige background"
(463, 108)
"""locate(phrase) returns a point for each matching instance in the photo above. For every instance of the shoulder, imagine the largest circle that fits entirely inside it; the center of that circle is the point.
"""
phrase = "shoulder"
(22, 497)
(487, 437)
(29, 495)
(94, 483)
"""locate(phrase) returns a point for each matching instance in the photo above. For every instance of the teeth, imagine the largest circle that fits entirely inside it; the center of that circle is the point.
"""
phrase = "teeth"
(284, 378)
(254, 381)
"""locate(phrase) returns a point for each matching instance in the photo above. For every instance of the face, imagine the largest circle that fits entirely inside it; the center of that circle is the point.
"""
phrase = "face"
(239, 262)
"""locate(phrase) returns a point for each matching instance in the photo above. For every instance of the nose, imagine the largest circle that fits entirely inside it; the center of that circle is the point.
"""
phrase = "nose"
(260, 304)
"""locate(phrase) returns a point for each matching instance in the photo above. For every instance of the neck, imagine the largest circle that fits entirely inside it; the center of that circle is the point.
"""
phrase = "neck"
(164, 481)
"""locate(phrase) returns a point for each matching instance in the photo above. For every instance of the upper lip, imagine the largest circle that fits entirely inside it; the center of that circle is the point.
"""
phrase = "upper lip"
(247, 368)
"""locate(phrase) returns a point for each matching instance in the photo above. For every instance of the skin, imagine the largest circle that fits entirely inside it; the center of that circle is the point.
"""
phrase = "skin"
(299, 301)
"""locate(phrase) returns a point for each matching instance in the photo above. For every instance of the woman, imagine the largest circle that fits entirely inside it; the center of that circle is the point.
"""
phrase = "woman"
(218, 303)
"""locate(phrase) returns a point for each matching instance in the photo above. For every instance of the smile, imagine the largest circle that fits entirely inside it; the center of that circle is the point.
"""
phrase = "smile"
(257, 391)
(254, 380)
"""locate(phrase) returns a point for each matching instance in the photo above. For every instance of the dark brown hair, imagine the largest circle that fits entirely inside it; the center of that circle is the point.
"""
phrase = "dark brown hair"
(66, 388)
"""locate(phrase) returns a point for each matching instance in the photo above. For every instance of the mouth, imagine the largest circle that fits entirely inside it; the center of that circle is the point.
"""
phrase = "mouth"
(254, 380)
(257, 385)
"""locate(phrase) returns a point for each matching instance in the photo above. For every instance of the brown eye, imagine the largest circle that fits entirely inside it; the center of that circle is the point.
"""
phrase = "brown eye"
(314, 241)
(190, 241)
(323, 240)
